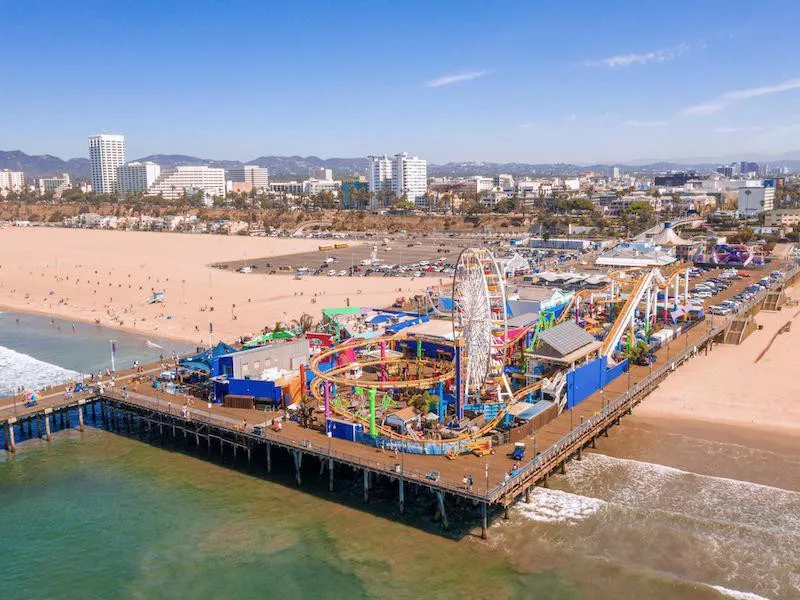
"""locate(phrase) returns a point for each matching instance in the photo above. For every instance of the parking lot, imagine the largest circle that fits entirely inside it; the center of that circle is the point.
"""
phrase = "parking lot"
(725, 291)
(396, 258)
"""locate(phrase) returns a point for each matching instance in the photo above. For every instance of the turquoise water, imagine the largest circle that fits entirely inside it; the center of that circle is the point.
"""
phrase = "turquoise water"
(96, 515)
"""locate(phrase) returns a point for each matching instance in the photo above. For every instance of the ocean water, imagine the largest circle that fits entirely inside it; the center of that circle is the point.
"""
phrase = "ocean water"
(99, 515)
(36, 350)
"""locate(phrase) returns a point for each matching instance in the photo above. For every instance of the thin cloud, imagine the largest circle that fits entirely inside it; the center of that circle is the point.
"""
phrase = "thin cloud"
(626, 60)
(736, 129)
(646, 124)
(717, 104)
(572, 118)
(526, 125)
(455, 78)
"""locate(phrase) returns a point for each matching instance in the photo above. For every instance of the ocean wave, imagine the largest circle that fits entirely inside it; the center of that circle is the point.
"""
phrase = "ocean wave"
(20, 369)
(647, 485)
(736, 594)
(554, 506)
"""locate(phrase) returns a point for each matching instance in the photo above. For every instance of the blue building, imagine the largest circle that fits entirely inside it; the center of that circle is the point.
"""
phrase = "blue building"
(351, 200)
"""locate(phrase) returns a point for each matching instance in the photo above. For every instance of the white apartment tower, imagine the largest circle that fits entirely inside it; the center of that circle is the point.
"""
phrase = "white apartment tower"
(106, 153)
(410, 178)
(380, 173)
(258, 177)
(11, 181)
(137, 176)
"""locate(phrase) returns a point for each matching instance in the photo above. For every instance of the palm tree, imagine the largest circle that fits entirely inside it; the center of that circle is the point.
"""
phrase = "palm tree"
(306, 322)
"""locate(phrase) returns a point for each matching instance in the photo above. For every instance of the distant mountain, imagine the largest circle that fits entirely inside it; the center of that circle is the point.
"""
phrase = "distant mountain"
(296, 167)
(43, 165)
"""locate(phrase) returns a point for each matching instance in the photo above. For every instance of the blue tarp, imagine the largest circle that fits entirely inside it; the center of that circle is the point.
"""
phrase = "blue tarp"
(409, 323)
(207, 356)
(380, 319)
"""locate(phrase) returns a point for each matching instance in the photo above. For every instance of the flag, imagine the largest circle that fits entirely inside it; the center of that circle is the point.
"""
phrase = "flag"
(210, 328)
(113, 347)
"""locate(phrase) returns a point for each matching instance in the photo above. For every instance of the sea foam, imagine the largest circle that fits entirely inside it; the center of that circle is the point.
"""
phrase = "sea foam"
(737, 594)
(18, 369)
(555, 506)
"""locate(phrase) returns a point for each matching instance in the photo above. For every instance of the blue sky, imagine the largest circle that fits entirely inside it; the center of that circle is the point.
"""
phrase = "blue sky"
(450, 81)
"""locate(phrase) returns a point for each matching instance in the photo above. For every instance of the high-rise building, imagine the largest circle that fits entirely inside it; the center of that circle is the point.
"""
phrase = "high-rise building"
(137, 176)
(410, 178)
(615, 173)
(11, 181)
(106, 153)
(189, 180)
(258, 177)
(749, 168)
(380, 176)
(320, 173)
(57, 185)
(725, 170)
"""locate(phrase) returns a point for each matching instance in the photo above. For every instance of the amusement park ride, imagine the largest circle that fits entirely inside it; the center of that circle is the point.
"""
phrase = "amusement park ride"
(435, 394)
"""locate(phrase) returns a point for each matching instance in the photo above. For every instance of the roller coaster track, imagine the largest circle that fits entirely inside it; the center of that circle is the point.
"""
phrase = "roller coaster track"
(627, 311)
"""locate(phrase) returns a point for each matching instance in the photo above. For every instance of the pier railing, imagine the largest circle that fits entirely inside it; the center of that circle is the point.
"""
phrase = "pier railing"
(544, 462)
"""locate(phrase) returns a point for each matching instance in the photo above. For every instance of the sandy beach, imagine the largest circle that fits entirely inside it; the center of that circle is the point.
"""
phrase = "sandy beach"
(729, 387)
(107, 276)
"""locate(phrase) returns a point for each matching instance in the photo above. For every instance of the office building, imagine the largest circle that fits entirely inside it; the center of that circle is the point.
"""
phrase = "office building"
(137, 176)
(312, 187)
(190, 180)
(410, 178)
(753, 201)
(320, 173)
(11, 181)
(257, 177)
(353, 194)
(106, 153)
(782, 217)
(286, 187)
(749, 169)
(56, 185)
(615, 173)
(726, 170)
(504, 182)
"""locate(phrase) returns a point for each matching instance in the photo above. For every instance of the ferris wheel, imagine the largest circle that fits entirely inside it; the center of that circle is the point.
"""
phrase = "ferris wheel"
(479, 317)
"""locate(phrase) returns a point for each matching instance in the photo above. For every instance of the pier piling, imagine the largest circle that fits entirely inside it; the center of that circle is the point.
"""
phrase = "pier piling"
(269, 458)
(47, 434)
(11, 446)
(442, 512)
(80, 415)
(366, 485)
(330, 474)
(402, 496)
(298, 462)
(484, 522)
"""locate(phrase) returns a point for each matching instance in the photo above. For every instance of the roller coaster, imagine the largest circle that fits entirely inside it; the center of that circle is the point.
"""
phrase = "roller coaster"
(367, 381)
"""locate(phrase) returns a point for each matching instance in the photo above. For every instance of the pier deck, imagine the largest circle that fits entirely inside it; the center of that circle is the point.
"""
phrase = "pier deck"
(549, 448)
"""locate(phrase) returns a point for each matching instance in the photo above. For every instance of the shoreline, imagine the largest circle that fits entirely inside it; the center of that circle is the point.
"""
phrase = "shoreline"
(754, 435)
(97, 275)
(4, 307)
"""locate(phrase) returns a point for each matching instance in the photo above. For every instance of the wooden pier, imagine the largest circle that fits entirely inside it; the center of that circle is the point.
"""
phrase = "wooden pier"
(496, 484)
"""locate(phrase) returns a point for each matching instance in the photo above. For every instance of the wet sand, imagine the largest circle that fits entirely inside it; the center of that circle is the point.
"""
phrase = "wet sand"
(107, 276)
